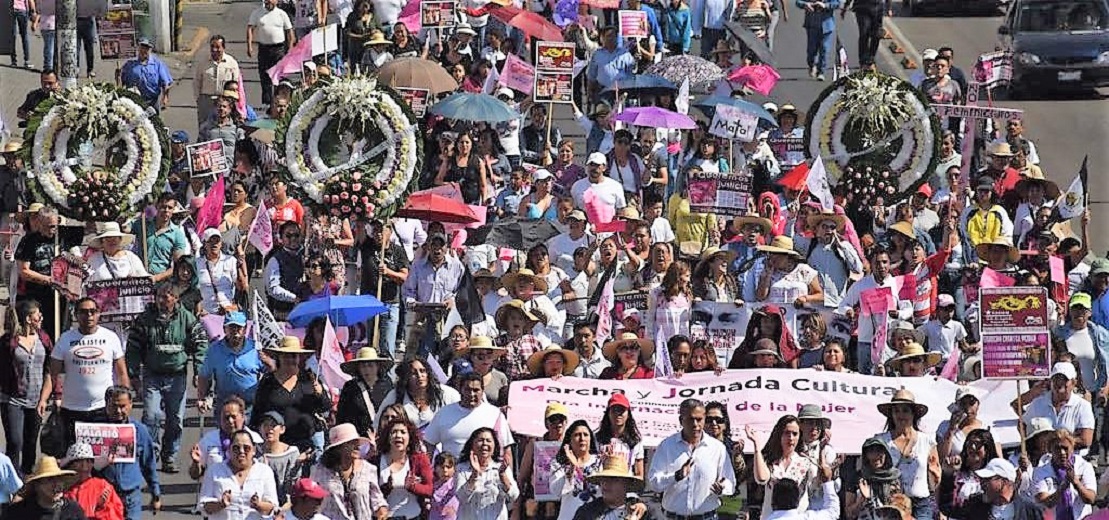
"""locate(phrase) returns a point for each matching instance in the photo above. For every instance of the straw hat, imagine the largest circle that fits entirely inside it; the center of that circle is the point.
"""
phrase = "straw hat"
(111, 229)
(781, 245)
(616, 467)
(912, 350)
(47, 467)
(1036, 176)
(770, 349)
(13, 146)
(903, 396)
(789, 110)
(714, 251)
(290, 345)
(904, 228)
(816, 218)
(984, 247)
(630, 214)
(900, 328)
(602, 110)
(341, 434)
(570, 359)
(753, 218)
(365, 355)
(482, 343)
(229, 94)
(464, 28)
(509, 306)
(509, 280)
(647, 347)
(376, 38)
(999, 149)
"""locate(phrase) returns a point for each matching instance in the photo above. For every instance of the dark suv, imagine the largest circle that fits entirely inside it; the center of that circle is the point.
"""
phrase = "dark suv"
(1057, 44)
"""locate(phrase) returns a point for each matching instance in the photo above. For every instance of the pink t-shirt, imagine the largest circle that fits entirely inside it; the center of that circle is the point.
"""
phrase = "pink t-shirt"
(19, 5)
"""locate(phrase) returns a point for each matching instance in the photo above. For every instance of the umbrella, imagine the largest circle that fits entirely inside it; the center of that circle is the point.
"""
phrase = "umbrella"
(759, 78)
(708, 106)
(702, 73)
(649, 84)
(531, 24)
(466, 106)
(752, 42)
(516, 233)
(655, 117)
(416, 73)
(433, 207)
(344, 311)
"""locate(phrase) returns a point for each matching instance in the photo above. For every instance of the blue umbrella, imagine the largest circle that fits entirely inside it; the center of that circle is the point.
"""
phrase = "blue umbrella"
(343, 310)
(466, 106)
(708, 106)
(644, 84)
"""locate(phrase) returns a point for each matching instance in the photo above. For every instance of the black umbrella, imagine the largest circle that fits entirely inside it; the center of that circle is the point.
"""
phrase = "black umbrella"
(752, 42)
(516, 233)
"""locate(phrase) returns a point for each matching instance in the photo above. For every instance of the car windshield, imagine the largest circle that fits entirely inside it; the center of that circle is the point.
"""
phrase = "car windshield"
(1076, 15)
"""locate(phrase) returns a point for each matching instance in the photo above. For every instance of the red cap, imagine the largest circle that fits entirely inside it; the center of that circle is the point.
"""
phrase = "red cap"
(307, 488)
(925, 190)
(619, 399)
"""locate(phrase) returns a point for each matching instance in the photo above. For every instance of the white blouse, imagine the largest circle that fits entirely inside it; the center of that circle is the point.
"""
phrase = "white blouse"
(220, 478)
(402, 503)
(913, 465)
(126, 266)
(489, 499)
(216, 282)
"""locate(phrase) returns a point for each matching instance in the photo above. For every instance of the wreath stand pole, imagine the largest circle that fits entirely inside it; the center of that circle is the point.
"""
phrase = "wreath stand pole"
(380, 276)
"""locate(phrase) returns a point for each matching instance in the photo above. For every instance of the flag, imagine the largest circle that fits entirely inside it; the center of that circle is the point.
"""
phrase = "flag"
(663, 368)
(682, 101)
(292, 62)
(267, 331)
(331, 361)
(468, 301)
(491, 81)
(818, 186)
(796, 178)
(1073, 202)
(260, 233)
(604, 310)
(211, 213)
(760, 78)
(410, 16)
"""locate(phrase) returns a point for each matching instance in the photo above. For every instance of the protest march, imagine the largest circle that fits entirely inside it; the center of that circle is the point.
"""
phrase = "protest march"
(542, 259)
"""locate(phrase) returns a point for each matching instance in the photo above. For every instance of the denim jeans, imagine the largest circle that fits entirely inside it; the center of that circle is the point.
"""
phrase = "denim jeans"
(21, 429)
(49, 38)
(923, 508)
(132, 504)
(22, 21)
(819, 49)
(863, 361)
(387, 328)
(86, 39)
(164, 411)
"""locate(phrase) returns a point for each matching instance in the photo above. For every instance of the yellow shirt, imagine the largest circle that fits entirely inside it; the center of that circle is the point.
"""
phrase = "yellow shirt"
(689, 226)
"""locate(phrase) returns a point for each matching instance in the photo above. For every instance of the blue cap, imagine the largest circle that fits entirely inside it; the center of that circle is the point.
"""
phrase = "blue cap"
(235, 318)
(145, 42)
(462, 366)
(179, 136)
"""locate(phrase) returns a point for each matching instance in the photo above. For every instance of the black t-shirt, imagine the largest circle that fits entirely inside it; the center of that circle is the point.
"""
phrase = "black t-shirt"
(30, 510)
(395, 259)
(39, 251)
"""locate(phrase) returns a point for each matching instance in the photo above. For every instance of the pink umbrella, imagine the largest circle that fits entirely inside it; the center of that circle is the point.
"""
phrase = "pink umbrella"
(655, 117)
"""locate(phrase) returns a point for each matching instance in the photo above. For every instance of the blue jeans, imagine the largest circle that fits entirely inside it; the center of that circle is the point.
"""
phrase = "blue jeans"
(864, 365)
(387, 328)
(164, 411)
(49, 38)
(22, 21)
(923, 508)
(819, 49)
(86, 39)
(132, 504)
(21, 428)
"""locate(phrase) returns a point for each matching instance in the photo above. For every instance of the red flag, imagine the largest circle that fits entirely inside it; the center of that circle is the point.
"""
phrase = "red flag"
(211, 213)
(796, 179)
(331, 361)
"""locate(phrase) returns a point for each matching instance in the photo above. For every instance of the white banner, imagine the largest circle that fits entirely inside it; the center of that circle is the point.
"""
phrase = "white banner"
(758, 397)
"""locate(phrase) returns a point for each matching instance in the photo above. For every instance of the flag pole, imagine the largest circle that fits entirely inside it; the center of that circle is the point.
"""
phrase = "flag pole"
(380, 278)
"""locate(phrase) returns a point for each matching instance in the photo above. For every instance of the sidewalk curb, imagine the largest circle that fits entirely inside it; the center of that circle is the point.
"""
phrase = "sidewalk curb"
(910, 50)
(187, 52)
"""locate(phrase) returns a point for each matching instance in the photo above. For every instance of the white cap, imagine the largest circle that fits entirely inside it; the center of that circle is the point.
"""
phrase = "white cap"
(209, 233)
(945, 300)
(506, 92)
(998, 467)
(542, 174)
(770, 107)
(1064, 368)
(597, 158)
(929, 54)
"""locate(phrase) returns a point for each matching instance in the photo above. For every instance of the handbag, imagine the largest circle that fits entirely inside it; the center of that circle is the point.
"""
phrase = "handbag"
(52, 438)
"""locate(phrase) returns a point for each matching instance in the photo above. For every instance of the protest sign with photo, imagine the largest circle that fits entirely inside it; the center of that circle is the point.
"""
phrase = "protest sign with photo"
(732, 123)
(1016, 342)
(116, 31)
(994, 69)
(437, 14)
(417, 99)
(554, 72)
(545, 452)
(633, 24)
(790, 151)
(721, 324)
(109, 439)
(121, 299)
(68, 271)
(724, 194)
(208, 158)
(758, 397)
(517, 75)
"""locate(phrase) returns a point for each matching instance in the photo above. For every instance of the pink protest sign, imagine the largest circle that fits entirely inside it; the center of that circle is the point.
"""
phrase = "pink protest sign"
(517, 74)
(877, 301)
(1058, 270)
(596, 209)
(991, 278)
(760, 78)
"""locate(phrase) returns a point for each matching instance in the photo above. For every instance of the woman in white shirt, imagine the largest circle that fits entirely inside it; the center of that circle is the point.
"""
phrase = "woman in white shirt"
(575, 461)
(780, 459)
(111, 260)
(484, 483)
(220, 275)
(1067, 484)
(404, 469)
(238, 489)
(913, 451)
(419, 392)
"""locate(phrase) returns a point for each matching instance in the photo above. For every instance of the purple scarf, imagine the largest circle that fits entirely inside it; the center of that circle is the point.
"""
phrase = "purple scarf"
(1064, 510)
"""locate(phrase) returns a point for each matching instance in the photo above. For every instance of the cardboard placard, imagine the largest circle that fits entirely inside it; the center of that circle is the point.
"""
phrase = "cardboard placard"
(1016, 342)
(554, 73)
(719, 193)
(116, 33)
(633, 24)
(121, 299)
(325, 39)
(208, 158)
(115, 439)
(732, 123)
(437, 13)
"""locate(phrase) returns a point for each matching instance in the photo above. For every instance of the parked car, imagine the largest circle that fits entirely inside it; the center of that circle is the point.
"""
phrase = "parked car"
(1057, 44)
(990, 7)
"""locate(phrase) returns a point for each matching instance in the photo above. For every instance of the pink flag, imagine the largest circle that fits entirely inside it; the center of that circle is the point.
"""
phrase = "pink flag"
(293, 60)
(760, 78)
(517, 74)
(410, 16)
(261, 230)
(991, 278)
(1058, 270)
(951, 368)
(211, 213)
(331, 361)
(604, 311)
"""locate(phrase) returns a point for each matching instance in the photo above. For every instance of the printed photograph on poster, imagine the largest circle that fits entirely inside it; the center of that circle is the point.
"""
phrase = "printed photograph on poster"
(555, 57)
(118, 46)
(208, 158)
(109, 439)
(120, 19)
(790, 151)
(69, 273)
(1016, 356)
(553, 87)
(417, 99)
(721, 324)
(720, 193)
(545, 452)
(121, 299)
(633, 24)
(437, 14)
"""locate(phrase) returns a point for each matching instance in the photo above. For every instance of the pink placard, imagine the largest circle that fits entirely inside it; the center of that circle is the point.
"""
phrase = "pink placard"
(877, 301)
(517, 75)
(1058, 270)
(991, 278)
(908, 287)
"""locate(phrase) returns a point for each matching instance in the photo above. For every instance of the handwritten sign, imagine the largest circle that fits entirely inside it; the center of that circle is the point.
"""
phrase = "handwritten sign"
(1015, 340)
(554, 72)
(633, 24)
(719, 193)
(732, 123)
(109, 439)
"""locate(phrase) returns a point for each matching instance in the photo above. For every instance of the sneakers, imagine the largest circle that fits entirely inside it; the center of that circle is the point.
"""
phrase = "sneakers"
(820, 77)
(812, 72)
(170, 466)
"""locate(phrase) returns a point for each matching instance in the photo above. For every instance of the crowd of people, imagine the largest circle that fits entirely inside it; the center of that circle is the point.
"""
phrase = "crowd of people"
(422, 429)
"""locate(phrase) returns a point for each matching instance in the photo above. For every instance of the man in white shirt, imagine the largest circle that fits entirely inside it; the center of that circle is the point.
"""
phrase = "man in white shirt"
(607, 190)
(454, 423)
(409, 233)
(272, 30)
(786, 496)
(593, 362)
(944, 333)
(92, 359)
(879, 277)
(1063, 407)
(691, 470)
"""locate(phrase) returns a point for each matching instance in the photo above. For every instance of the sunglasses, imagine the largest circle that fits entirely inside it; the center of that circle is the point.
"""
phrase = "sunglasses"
(556, 419)
(714, 420)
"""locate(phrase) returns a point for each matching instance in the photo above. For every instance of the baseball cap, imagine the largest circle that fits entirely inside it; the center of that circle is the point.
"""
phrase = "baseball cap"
(235, 318)
(945, 300)
(556, 409)
(462, 366)
(542, 174)
(307, 488)
(769, 106)
(274, 416)
(1064, 369)
(619, 399)
(209, 234)
(506, 92)
(145, 42)
(1081, 300)
(577, 214)
(929, 54)
(179, 137)
(998, 467)
(597, 158)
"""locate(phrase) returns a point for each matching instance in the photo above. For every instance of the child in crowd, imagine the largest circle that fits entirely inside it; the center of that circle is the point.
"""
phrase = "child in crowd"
(282, 458)
(444, 504)
(307, 499)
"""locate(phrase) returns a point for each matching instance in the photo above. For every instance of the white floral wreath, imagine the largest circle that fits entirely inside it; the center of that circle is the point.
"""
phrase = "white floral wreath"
(99, 117)
(356, 100)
